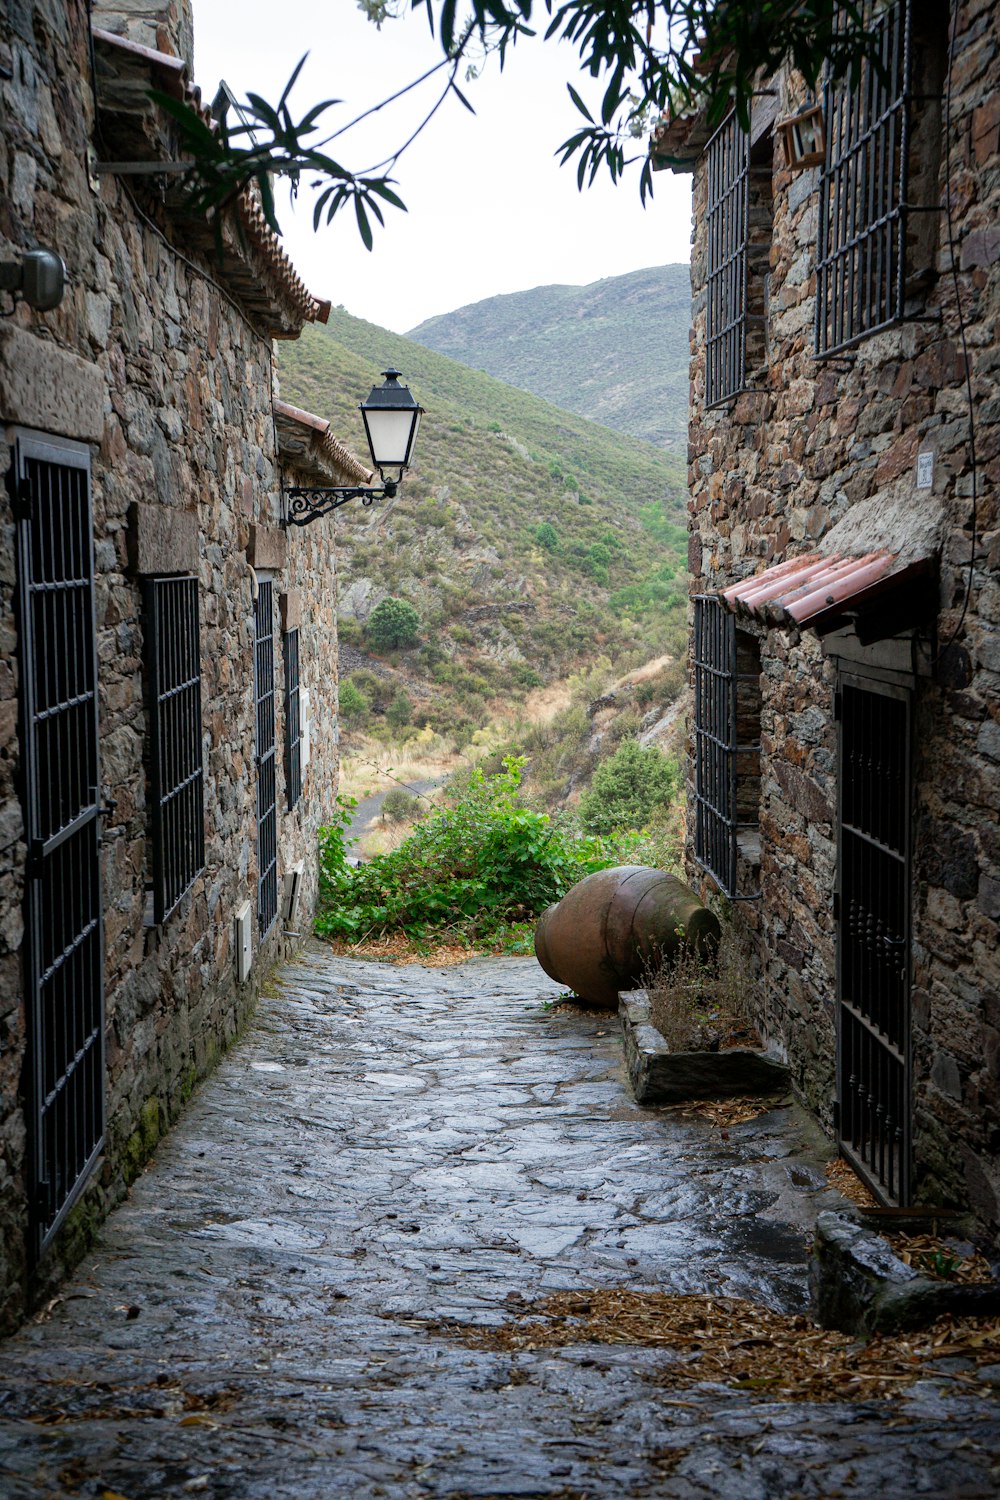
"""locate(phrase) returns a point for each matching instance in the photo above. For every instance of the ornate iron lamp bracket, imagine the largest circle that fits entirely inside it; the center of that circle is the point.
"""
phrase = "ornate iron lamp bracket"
(307, 503)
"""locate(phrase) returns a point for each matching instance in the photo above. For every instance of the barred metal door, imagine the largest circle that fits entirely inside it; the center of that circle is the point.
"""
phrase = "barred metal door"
(267, 811)
(64, 966)
(873, 949)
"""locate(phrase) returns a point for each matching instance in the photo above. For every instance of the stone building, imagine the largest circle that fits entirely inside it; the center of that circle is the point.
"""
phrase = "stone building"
(844, 550)
(168, 733)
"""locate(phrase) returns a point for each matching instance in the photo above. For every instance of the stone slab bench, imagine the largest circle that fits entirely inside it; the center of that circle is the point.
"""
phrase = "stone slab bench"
(659, 1076)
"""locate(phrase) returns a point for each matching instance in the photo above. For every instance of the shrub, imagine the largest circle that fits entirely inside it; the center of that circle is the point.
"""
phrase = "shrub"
(400, 710)
(354, 706)
(392, 624)
(473, 867)
(627, 788)
(399, 805)
(377, 691)
(546, 536)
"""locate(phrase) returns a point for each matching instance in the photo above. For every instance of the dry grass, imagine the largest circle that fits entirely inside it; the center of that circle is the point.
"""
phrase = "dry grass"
(735, 1343)
(697, 1003)
(647, 670)
(372, 766)
(398, 948)
(542, 704)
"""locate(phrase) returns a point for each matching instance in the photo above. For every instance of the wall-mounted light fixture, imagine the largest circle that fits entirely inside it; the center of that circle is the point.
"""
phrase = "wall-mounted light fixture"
(391, 418)
(804, 136)
(39, 276)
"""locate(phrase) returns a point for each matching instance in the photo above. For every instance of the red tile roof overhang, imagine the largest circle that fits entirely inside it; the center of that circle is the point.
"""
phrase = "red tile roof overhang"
(250, 260)
(306, 443)
(820, 592)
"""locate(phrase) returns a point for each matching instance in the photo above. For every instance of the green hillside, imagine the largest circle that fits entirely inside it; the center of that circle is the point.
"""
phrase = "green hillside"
(530, 541)
(615, 351)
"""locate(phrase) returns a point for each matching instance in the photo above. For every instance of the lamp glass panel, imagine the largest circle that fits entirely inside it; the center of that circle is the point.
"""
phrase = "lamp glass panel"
(389, 436)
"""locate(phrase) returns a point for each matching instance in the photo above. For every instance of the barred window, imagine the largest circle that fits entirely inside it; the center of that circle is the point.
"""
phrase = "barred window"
(727, 742)
(879, 200)
(293, 743)
(267, 812)
(739, 245)
(176, 771)
(728, 175)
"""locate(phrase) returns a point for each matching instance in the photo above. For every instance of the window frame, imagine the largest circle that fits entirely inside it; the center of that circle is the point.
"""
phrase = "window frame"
(727, 158)
(176, 764)
(861, 247)
(265, 756)
(293, 716)
(719, 754)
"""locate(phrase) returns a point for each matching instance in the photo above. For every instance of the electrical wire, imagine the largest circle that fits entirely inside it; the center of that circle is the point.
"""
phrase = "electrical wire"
(953, 257)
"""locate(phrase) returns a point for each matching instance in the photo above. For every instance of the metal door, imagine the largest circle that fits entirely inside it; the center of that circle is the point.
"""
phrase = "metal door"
(873, 947)
(64, 963)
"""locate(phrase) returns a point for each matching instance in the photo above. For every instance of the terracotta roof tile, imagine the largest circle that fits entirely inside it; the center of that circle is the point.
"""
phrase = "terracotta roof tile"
(253, 265)
(813, 590)
(306, 441)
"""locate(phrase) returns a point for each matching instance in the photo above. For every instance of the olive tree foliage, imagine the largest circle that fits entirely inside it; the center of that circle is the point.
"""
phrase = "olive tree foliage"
(652, 57)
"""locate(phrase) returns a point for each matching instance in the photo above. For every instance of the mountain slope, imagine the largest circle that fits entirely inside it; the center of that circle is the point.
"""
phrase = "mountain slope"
(530, 541)
(615, 351)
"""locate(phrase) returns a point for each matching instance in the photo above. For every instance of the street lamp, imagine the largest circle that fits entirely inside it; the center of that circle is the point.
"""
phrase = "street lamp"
(391, 418)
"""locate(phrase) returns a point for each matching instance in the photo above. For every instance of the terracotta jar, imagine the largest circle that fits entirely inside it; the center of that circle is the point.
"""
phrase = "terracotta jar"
(614, 926)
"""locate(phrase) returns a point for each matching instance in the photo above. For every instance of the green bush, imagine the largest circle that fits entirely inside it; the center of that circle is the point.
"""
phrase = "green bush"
(546, 536)
(472, 867)
(399, 805)
(354, 706)
(627, 788)
(393, 624)
(400, 710)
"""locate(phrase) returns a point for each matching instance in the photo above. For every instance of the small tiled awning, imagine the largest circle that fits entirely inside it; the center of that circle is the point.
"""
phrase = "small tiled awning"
(306, 441)
(816, 590)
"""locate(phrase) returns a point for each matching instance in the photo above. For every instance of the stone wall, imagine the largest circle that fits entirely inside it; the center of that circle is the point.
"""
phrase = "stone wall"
(154, 360)
(770, 476)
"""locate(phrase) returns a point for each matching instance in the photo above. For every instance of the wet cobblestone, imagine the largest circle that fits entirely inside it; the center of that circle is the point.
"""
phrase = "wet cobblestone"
(393, 1146)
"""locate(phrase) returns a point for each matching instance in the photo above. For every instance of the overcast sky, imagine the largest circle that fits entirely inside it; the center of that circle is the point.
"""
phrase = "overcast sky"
(489, 208)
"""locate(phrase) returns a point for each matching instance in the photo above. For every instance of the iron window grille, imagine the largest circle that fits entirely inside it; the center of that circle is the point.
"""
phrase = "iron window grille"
(176, 769)
(63, 944)
(727, 743)
(293, 741)
(265, 755)
(873, 934)
(861, 253)
(728, 178)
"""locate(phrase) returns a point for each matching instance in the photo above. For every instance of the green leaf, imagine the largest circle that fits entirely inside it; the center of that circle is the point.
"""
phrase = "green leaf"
(364, 228)
(579, 103)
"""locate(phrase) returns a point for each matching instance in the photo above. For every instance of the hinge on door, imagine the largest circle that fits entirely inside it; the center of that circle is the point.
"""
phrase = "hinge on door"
(33, 863)
(22, 501)
(838, 705)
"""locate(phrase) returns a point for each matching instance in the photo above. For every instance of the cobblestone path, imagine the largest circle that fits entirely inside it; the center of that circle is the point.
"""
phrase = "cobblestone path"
(391, 1146)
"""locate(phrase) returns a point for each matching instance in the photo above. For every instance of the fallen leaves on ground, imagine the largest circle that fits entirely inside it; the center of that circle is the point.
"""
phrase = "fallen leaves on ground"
(99, 1401)
(841, 1176)
(736, 1343)
(941, 1259)
(726, 1112)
